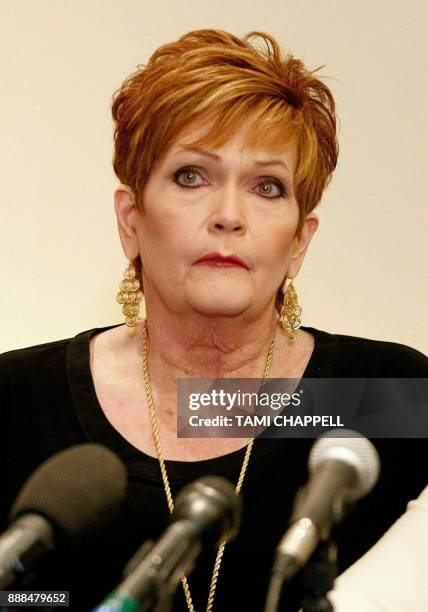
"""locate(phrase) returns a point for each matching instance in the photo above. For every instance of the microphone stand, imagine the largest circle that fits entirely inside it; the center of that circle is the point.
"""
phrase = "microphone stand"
(122, 602)
(318, 578)
(164, 603)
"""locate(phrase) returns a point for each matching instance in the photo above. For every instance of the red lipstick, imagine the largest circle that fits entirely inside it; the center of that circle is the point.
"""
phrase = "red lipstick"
(222, 261)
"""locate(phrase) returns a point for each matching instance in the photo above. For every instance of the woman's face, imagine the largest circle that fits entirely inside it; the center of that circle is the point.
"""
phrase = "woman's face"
(228, 201)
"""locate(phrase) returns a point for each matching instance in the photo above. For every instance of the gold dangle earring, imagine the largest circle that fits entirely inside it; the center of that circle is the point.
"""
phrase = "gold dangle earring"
(130, 295)
(290, 311)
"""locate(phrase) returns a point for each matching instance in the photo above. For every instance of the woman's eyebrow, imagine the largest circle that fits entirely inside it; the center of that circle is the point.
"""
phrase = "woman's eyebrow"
(259, 163)
(271, 162)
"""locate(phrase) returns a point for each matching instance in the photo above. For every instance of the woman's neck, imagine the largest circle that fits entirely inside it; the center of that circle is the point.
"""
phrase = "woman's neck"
(197, 347)
(189, 345)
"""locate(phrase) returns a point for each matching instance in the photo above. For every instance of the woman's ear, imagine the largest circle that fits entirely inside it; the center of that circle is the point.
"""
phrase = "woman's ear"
(301, 243)
(126, 213)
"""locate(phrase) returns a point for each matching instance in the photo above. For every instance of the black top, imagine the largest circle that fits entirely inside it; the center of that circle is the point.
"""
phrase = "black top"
(48, 403)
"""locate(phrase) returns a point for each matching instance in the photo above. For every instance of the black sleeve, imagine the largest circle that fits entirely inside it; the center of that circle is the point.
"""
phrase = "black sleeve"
(37, 415)
(405, 362)
(361, 358)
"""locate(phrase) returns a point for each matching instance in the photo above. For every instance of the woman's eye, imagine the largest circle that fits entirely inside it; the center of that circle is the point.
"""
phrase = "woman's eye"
(271, 188)
(188, 177)
(191, 177)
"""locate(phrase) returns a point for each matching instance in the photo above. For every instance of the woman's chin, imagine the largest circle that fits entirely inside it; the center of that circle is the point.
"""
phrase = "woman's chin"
(221, 303)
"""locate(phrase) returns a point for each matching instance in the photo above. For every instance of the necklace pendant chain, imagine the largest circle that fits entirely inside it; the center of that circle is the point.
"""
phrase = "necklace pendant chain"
(167, 488)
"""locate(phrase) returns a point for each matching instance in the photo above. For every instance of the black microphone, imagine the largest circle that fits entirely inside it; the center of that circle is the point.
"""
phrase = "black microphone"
(344, 466)
(206, 513)
(70, 497)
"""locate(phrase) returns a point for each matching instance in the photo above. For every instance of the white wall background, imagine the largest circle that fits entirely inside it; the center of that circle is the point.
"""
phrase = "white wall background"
(60, 255)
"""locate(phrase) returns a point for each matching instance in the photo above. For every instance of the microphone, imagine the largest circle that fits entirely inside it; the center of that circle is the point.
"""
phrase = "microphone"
(71, 496)
(207, 512)
(344, 466)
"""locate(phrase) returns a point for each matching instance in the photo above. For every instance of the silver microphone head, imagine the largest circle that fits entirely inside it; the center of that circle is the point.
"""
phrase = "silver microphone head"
(352, 448)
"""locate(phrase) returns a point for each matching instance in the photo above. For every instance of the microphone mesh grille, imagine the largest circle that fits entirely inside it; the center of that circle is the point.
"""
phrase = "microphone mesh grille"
(350, 447)
(79, 490)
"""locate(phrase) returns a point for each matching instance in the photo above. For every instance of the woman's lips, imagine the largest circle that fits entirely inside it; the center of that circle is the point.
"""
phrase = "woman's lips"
(215, 260)
(215, 263)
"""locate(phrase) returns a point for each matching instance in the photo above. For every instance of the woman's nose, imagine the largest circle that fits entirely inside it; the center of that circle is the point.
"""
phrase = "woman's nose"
(228, 213)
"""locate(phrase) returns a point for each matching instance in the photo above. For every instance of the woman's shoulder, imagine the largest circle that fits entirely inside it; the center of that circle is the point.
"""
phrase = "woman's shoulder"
(32, 359)
(359, 356)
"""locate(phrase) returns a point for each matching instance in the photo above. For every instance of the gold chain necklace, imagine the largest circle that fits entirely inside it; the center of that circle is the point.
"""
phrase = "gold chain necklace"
(165, 479)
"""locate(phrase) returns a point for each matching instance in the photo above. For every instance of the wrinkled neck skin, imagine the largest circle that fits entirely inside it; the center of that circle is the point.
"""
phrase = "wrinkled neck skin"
(200, 346)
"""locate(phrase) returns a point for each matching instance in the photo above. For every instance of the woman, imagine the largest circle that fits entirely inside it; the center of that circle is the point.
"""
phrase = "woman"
(223, 150)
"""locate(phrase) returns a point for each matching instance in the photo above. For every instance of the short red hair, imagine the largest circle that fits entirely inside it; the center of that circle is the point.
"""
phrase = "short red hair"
(214, 77)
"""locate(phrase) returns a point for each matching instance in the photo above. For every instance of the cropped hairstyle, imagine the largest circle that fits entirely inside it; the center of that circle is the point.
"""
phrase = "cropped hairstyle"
(213, 78)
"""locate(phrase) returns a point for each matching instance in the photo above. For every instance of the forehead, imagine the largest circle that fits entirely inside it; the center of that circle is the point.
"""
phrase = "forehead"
(246, 139)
